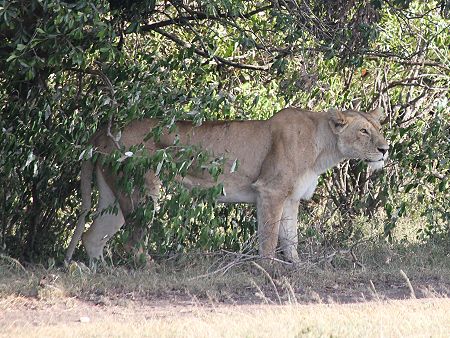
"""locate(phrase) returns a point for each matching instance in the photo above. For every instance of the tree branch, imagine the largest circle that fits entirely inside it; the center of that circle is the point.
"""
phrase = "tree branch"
(200, 16)
(408, 82)
(375, 55)
(200, 52)
(111, 90)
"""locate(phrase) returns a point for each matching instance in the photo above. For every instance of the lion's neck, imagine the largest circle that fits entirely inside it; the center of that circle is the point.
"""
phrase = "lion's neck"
(328, 153)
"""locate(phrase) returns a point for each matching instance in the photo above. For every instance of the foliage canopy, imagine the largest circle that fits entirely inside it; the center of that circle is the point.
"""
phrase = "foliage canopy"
(69, 66)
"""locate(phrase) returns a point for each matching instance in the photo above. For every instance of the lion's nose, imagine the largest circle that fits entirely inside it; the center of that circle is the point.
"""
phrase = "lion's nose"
(383, 150)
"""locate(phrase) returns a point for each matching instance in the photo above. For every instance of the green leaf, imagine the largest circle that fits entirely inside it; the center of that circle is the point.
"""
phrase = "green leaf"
(388, 208)
(11, 57)
(132, 27)
(158, 167)
(443, 186)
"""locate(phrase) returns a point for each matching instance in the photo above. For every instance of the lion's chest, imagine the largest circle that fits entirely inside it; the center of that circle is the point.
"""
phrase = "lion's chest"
(305, 186)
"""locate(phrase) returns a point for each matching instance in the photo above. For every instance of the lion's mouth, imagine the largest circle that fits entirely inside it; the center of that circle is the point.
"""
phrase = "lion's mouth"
(381, 159)
(375, 165)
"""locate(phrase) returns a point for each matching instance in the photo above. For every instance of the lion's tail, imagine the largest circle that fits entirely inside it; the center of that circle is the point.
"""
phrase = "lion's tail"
(87, 168)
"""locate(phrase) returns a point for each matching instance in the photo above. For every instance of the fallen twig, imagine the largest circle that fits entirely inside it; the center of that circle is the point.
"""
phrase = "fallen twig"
(14, 261)
(408, 282)
(270, 280)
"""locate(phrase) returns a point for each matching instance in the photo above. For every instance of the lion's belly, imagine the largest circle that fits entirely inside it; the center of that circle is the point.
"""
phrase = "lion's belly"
(238, 195)
(305, 186)
(237, 189)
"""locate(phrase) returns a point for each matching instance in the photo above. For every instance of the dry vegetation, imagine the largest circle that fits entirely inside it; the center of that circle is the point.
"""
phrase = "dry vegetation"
(190, 296)
(407, 318)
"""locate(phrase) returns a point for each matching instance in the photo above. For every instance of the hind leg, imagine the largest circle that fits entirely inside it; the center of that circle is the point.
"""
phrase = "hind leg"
(106, 224)
(138, 232)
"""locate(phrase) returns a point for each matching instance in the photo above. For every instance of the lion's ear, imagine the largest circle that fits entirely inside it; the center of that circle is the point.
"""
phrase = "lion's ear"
(377, 114)
(338, 121)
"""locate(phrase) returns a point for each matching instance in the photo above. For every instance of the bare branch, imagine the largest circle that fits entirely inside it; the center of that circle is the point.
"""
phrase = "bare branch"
(408, 82)
(218, 59)
(111, 90)
(182, 20)
(374, 55)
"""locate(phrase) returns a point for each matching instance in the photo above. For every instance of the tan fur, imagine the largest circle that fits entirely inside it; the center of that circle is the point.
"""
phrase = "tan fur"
(280, 160)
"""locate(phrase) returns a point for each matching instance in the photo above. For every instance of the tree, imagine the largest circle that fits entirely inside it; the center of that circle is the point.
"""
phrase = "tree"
(68, 67)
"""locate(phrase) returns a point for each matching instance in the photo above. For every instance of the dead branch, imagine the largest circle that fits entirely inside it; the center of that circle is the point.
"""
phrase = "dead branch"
(264, 271)
(204, 54)
(110, 88)
(195, 15)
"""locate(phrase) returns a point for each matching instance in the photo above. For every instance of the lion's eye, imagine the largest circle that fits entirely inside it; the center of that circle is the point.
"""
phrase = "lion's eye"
(364, 131)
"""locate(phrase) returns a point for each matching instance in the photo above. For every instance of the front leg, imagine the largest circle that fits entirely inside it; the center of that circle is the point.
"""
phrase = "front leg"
(272, 187)
(288, 231)
(269, 210)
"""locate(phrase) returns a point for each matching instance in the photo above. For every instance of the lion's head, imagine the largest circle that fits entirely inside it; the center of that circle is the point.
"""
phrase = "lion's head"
(359, 135)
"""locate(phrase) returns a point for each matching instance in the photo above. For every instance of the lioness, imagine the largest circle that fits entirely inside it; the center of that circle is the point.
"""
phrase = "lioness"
(280, 160)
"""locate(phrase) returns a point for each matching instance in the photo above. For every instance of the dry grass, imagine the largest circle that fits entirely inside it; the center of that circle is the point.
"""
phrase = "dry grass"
(407, 318)
(181, 297)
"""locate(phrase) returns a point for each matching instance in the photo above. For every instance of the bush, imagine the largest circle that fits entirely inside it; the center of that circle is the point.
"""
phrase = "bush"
(69, 67)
